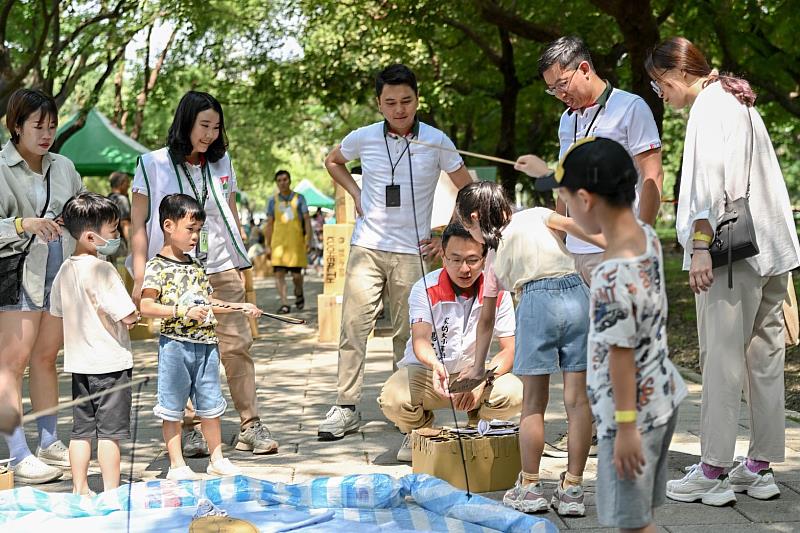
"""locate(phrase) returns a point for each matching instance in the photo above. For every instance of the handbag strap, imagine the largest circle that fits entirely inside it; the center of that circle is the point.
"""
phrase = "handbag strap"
(44, 209)
(750, 164)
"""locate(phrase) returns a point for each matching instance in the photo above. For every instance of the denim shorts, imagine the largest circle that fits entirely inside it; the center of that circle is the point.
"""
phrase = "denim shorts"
(188, 370)
(629, 503)
(55, 256)
(552, 326)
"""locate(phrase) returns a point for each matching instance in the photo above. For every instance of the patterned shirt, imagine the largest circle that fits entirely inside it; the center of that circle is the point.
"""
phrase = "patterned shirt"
(181, 283)
(629, 310)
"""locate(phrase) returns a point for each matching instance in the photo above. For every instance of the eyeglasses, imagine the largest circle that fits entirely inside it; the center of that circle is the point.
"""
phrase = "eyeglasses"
(471, 261)
(561, 86)
(656, 88)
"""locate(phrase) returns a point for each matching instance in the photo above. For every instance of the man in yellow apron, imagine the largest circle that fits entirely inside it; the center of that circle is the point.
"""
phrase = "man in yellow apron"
(288, 238)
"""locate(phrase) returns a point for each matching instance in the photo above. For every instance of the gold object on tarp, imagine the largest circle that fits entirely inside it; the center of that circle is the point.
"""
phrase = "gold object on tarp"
(221, 524)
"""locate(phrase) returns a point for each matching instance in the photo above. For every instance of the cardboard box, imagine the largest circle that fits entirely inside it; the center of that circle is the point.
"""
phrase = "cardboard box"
(335, 251)
(345, 209)
(493, 462)
(6, 478)
(329, 314)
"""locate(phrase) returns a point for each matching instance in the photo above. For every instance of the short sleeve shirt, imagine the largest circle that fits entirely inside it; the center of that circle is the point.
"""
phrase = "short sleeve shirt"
(302, 205)
(528, 250)
(391, 229)
(625, 118)
(181, 283)
(91, 298)
(629, 310)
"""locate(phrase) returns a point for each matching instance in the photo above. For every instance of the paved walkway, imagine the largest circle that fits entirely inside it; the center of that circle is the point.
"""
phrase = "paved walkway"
(297, 382)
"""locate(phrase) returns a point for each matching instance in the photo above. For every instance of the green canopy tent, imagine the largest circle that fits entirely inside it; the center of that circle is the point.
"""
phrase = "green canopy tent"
(314, 197)
(100, 148)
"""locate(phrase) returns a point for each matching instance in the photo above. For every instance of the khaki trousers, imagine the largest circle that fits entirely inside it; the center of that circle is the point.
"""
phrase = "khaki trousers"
(235, 340)
(408, 399)
(741, 334)
(368, 272)
(585, 264)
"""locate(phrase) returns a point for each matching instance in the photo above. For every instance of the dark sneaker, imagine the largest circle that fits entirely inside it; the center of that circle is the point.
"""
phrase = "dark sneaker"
(569, 501)
(558, 448)
(258, 439)
(194, 444)
(525, 498)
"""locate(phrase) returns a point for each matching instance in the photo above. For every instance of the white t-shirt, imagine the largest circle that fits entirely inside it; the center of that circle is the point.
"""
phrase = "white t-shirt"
(629, 310)
(455, 318)
(527, 251)
(156, 176)
(391, 229)
(625, 118)
(90, 296)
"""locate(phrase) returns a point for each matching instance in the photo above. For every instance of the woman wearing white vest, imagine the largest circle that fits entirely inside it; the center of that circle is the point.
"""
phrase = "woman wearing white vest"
(195, 162)
(728, 153)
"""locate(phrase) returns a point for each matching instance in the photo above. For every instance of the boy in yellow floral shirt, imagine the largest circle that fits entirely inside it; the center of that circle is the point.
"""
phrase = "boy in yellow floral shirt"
(177, 290)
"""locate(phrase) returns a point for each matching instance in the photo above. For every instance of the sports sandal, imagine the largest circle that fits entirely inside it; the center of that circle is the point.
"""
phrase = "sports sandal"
(299, 302)
(284, 309)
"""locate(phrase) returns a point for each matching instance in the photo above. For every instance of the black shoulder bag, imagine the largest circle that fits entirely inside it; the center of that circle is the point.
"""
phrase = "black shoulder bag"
(735, 238)
(11, 267)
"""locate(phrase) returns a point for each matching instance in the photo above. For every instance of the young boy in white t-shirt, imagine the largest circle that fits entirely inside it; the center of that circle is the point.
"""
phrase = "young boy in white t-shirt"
(633, 387)
(97, 313)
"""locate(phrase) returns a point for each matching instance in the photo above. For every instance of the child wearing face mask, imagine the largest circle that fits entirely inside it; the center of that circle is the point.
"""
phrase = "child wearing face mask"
(97, 313)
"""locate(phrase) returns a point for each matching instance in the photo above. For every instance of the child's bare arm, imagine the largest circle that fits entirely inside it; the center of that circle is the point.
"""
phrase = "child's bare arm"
(559, 222)
(151, 308)
(628, 456)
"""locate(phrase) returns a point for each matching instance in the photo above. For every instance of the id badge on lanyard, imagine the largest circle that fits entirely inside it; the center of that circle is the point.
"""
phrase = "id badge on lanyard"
(202, 245)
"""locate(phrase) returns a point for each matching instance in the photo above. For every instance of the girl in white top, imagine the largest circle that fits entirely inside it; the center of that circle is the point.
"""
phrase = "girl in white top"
(727, 151)
(527, 256)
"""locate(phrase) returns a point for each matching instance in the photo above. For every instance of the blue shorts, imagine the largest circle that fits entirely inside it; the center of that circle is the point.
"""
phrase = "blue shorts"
(188, 370)
(55, 256)
(552, 326)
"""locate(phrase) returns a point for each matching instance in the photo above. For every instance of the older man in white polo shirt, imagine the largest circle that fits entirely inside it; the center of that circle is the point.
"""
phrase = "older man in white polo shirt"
(595, 108)
(449, 302)
(392, 228)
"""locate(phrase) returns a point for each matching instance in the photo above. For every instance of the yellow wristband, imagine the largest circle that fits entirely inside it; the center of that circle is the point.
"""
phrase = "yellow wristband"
(700, 236)
(623, 417)
(18, 226)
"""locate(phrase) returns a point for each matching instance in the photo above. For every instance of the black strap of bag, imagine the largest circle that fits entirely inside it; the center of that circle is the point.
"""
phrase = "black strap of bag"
(12, 267)
(735, 237)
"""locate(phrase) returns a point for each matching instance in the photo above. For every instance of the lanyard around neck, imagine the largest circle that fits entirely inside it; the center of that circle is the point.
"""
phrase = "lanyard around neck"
(204, 176)
(389, 155)
(586, 133)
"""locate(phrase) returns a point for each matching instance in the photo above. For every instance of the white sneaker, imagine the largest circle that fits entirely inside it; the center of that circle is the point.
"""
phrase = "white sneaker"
(33, 471)
(222, 467)
(181, 473)
(338, 422)
(761, 486)
(404, 453)
(696, 486)
(57, 454)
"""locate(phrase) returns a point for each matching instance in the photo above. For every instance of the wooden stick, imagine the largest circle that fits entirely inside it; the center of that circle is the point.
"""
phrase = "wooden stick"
(264, 314)
(464, 152)
(52, 410)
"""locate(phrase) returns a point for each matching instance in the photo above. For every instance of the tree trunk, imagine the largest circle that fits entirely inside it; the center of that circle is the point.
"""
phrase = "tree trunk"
(639, 29)
(150, 82)
(506, 144)
(118, 108)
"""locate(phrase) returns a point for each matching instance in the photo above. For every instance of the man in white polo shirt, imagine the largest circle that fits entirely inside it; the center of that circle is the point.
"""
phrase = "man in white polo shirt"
(455, 295)
(594, 108)
(392, 228)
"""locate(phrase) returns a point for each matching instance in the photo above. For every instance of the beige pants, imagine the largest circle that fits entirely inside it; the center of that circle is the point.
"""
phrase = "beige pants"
(408, 399)
(741, 334)
(235, 340)
(368, 271)
(585, 264)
